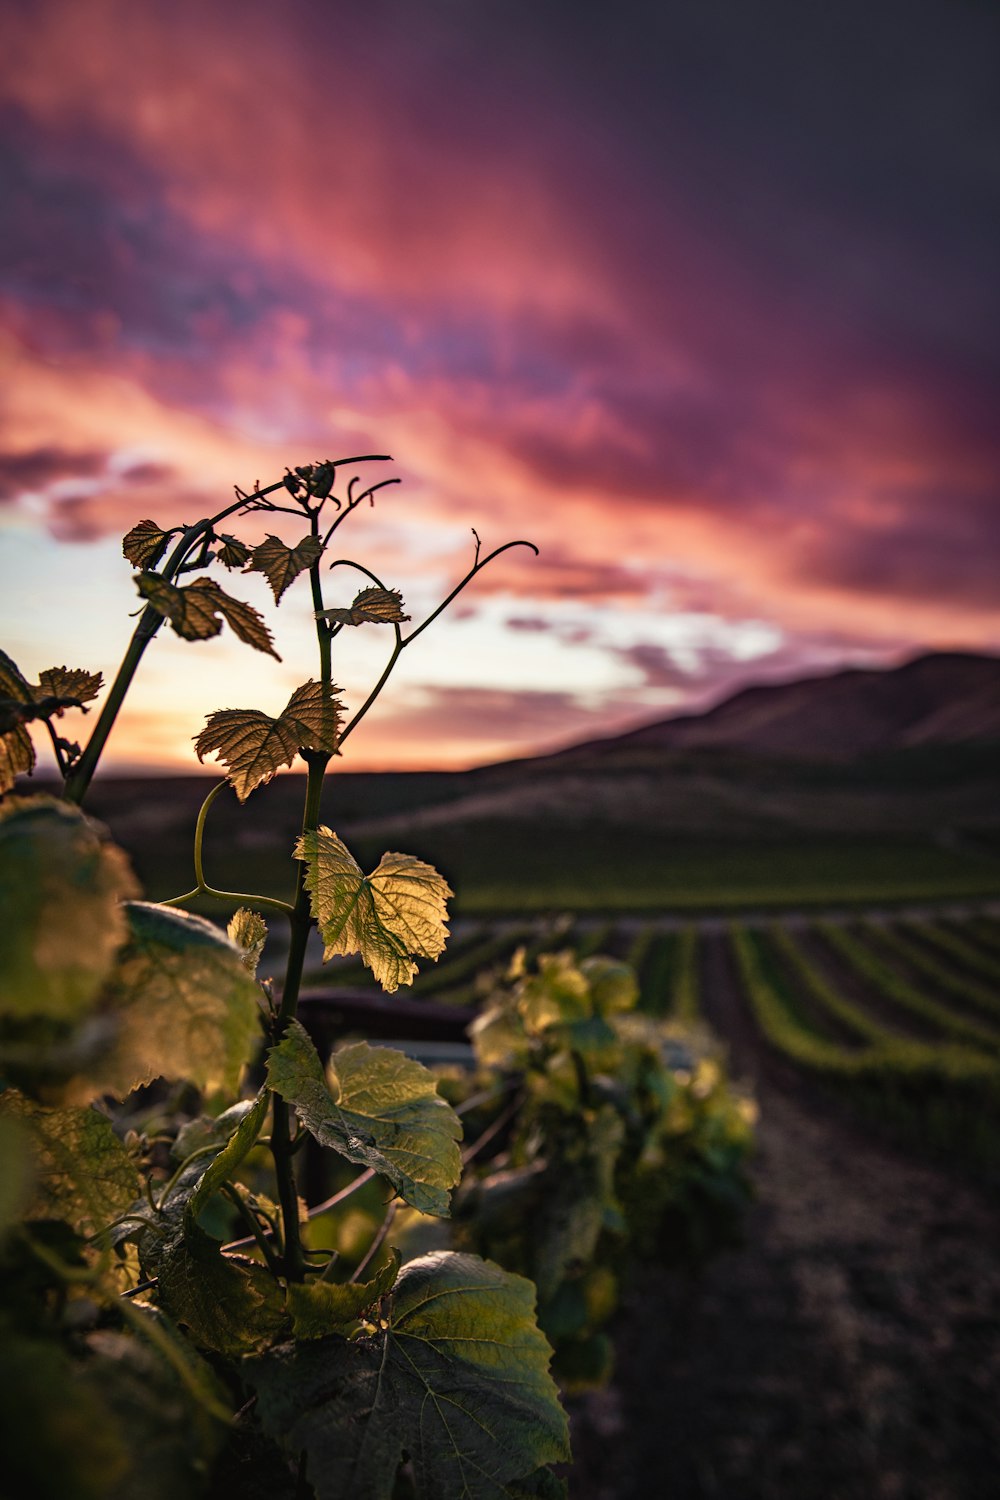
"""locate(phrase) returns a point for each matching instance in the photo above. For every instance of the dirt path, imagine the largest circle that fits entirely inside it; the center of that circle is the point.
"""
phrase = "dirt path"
(851, 1351)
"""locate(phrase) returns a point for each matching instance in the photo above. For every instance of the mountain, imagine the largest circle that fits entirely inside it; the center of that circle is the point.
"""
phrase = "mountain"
(942, 699)
(906, 750)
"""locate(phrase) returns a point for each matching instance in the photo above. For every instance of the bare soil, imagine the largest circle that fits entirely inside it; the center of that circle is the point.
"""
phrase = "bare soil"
(850, 1351)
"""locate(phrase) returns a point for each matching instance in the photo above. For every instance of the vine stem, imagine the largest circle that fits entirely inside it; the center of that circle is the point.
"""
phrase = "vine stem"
(300, 923)
(202, 888)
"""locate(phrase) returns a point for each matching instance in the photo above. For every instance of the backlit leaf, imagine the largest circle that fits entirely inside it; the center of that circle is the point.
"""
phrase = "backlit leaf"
(378, 1108)
(145, 544)
(248, 930)
(17, 754)
(196, 611)
(71, 683)
(253, 746)
(184, 1005)
(232, 553)
(319, 1308)
(373, 606)
(459, 1381)
(391, 917)
(60, 891)
(82, 1172)
(282, 564)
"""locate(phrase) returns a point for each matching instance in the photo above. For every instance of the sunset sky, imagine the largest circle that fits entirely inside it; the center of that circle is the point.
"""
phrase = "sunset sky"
(701, 296)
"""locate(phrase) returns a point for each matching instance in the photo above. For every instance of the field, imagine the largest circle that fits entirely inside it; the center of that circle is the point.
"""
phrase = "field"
(852, 976)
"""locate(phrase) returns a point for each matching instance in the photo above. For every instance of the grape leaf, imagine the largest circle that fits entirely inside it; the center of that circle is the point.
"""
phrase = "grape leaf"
(17, 756)
(233, 553)
(74, 685)
(17, 753)
(373, 606)
(459, 1381)
(82, 1171)
(248, 930)
(184, 1005)
(378, 1108)
(282, 564)
(390, 917)
(145, 544)
(196, 611)
(252, 746)
(60, 889)
(229, 1303)
(319, 1308)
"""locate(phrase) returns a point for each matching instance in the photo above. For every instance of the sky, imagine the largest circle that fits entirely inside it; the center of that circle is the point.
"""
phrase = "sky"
(699, 296)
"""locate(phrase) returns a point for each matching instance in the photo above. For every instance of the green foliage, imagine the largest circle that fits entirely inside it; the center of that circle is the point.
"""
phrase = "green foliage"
(182, 1003)
(61, 887)
(375, 1107)
(391, 917)
(455, 1375)
(620, 1143)
(153, 1270)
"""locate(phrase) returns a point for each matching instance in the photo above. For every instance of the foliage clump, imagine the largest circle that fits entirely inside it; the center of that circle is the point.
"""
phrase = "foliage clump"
(622, 1144)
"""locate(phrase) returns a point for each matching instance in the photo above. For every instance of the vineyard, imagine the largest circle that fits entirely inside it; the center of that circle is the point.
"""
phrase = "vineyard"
(900, 1016)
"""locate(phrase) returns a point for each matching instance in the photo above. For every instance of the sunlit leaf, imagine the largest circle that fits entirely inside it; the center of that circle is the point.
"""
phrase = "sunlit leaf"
(282, 564)
(232, 553)
(391, 917)
(82, 1172)
(253, 746)
(458, 1381)
(60, 890)
(183, 1002)
(145, 544)
(248, 930)
(378, 1108)
(319, 1308)
(196, 611)
(373, 606)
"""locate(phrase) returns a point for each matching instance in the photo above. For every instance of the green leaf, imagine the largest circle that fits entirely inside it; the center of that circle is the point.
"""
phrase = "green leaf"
(239, 1146)
(373, 606)
(248, 931)
(210, 1130)
(319, 1308)
(82, 1172)
(197, 609)
(378, 1108)
(253, 746)
(145, 544)
(60, 890)
(184, 1004)
(233, 553)
(282, 564)
(396, 914)
(458, 1381)
(229, 1303)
